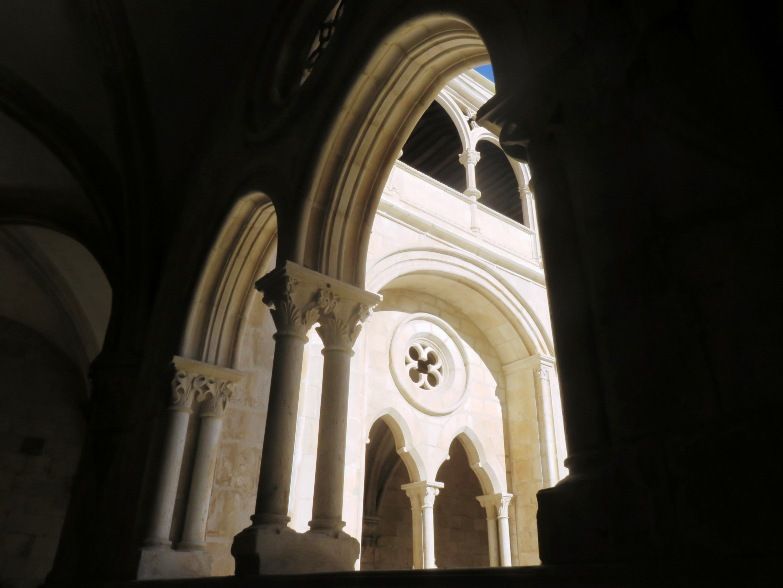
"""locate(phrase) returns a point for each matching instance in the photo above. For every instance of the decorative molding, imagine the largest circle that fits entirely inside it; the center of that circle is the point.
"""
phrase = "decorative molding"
(214, 397)
(209, 384)
(422, 494)
(496, 504)
(469, 157)
(427, 332)
(299, 297)
(182, 391)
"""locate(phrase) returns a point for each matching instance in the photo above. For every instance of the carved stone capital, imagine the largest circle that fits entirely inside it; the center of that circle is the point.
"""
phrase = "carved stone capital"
(182, 391)
(342, 310)
(496, 505)
(469, 157)
(208, 384)
(290, 292)
(422, 494)
(504, 501)
(214, 398)
(299, 297)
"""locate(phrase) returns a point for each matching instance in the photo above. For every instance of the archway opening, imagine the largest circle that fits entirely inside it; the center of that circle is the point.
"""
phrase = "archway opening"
(460, 521)
(468, 259)
(386, 518)
(433, 148)
(228, 328)
(497, 183)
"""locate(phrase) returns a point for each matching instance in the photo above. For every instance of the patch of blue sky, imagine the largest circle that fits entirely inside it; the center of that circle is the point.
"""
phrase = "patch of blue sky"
(486, 71)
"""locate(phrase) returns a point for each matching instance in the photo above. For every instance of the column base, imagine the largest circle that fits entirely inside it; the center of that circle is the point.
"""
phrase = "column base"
(167, 563)
(268, 549)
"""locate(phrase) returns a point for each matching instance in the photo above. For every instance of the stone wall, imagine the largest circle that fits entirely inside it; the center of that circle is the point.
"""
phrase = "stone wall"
(41, 433)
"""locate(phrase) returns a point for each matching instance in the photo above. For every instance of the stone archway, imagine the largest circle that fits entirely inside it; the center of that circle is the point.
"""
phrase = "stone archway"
(402, 79)
(386, 520)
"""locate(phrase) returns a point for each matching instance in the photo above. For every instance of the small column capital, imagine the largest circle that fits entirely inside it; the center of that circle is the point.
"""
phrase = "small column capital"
(299, 297)
(291, 293)
(342, 310)
(182, 392)
(496, 503)
(422, 494)
(504, 501)
(469, 157)
(209, 384)
(214, 397)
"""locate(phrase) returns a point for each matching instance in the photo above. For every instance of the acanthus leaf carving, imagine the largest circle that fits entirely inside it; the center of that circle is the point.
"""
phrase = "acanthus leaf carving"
(215, 397)
(182, 391)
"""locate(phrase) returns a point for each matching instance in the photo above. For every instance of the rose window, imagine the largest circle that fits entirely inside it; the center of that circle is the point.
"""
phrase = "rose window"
(424, 366)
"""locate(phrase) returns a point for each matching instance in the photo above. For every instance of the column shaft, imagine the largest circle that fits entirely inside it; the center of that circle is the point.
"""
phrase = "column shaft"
(504, 541)
(469, 158)
(418, 532)
(428, 535)
(330, 460)
(504, 538)
(278, 451)
(194, 531)
(492, 540)
(422, 496)
(548, 444)
(168, 478)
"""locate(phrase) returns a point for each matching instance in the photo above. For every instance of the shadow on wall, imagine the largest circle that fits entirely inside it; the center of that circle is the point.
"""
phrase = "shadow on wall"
(42, 430)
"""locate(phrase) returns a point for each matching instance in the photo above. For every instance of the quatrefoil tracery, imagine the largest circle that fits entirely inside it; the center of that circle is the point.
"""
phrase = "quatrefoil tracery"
(424, 365)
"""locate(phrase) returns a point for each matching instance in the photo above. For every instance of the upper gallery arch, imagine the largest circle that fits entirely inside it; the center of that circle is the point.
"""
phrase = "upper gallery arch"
(399, 82)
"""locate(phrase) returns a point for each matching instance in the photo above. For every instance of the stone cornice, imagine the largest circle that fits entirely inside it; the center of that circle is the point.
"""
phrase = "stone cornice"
(532, 362)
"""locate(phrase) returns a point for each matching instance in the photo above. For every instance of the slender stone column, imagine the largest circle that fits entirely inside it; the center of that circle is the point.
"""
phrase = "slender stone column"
(298, 298)
(529, 211)
(291, 293)
(488, 502)
(469, 158)
(416, 529)
(182, 393)
(504, 539)
(343, 308)
(294, 311)
(422, 496)
(214, 396)
(547, 419)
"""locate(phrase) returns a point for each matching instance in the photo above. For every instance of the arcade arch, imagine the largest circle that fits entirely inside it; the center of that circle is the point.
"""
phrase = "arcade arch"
(496, 407)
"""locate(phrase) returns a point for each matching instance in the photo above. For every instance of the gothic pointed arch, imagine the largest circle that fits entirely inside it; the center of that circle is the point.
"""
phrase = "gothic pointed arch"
(244, 249)
(403, 78)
